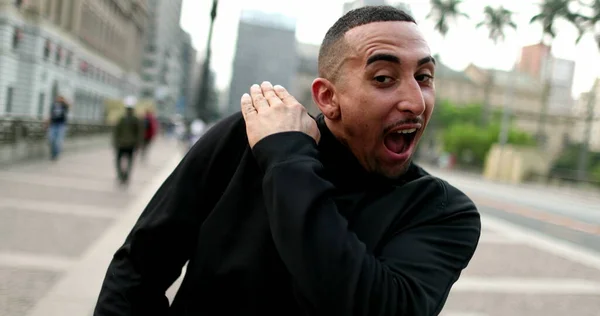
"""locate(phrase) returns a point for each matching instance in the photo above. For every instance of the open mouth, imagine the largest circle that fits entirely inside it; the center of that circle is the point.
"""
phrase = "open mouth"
(400, 141)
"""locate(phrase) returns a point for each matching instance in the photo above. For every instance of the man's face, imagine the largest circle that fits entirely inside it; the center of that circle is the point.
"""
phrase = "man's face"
(385, 94)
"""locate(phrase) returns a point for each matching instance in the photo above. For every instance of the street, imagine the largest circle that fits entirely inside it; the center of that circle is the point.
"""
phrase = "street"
(60, 223)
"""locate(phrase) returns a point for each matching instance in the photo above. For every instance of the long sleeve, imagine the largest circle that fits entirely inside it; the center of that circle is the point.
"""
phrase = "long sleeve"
(159, 244)
(333, 272)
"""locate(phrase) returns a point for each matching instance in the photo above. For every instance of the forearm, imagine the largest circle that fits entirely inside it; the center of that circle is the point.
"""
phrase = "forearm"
(329, 263)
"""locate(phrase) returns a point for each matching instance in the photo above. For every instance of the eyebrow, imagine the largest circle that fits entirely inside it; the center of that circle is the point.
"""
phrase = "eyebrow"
(428, 59)
(394, 59)
(383, 57)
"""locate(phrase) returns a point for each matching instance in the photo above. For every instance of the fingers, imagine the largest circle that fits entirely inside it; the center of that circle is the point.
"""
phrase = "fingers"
(270, 95)
(247, 106)
(284, 95)
(258, 99)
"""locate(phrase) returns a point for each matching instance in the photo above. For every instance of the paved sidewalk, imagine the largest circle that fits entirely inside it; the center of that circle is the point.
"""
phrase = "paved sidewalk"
(538, 254)
(54, 216)
(519, 272)
(60, 223)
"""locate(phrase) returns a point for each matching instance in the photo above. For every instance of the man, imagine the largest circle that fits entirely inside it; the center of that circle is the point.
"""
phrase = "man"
(57, 125)
(277, 214)
(128, 136)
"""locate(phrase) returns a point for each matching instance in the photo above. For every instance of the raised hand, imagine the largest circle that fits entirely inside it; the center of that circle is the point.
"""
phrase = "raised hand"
(269, 110)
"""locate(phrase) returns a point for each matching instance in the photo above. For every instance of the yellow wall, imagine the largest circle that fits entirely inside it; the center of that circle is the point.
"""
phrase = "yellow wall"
(514, 164)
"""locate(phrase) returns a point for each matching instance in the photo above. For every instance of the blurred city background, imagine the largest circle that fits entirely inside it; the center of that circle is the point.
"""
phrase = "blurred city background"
(516, 126)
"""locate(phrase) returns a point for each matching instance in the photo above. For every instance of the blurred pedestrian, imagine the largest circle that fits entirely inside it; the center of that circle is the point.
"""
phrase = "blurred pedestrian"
(57, 126)
(128, 135)
(150, 131)
(197, 128)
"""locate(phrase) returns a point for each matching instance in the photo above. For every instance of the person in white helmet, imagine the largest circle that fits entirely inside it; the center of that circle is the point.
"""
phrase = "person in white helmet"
(128, 135)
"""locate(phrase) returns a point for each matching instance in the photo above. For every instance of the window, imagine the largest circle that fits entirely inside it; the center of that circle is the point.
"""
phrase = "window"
(9, 100)
(58, 55)
(148, 63)
(17, 36)
(83, 66)
(69, 60)
(41, 102)
(151, 48)
(47, 49)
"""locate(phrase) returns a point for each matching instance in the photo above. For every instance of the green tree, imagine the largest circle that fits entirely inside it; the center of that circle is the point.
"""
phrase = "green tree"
(496, 20)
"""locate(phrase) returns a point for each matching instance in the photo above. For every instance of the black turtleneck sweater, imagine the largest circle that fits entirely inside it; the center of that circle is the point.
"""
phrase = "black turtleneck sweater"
(291, 228)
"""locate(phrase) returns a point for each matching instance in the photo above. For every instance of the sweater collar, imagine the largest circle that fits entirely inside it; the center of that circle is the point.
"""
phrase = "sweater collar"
(345, 171)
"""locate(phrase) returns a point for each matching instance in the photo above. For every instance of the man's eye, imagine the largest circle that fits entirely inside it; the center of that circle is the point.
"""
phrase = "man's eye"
(383, 79)
(424, 78)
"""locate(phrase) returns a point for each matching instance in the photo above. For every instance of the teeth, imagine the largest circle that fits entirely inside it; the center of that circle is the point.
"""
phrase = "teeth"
(407, 131)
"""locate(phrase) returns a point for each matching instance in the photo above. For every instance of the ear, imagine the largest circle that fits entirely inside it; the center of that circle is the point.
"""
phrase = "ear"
(325, 97)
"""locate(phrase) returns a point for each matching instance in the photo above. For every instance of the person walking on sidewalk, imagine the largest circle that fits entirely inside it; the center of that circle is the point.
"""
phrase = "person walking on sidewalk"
(150, 132)
(57, 126)
(128, 136)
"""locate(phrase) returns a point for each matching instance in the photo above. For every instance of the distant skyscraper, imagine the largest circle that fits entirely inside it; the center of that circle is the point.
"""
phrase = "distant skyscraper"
(188, 65)
(265, 51)
(348, 6)
(162, 62)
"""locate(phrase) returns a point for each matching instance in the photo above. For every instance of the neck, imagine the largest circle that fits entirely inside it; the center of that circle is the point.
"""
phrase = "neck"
(345, 167)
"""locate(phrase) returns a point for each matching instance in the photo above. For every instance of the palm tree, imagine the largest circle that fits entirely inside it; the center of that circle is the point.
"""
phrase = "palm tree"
(443, 12)
(496, 21)
(550, 12)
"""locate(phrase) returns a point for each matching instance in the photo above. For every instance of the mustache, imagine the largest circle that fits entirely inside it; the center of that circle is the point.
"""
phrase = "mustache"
(414, 120)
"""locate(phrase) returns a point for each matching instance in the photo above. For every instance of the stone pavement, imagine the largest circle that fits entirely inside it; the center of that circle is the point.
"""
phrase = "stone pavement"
(61, 222)
(534, 264)
(53, 218)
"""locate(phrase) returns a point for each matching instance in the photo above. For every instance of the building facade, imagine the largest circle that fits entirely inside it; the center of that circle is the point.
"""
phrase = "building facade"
(84, 50)
(538, 62)
(265, 51)
(587, 110)
(307, 71)
(188, 72)
(162, 62)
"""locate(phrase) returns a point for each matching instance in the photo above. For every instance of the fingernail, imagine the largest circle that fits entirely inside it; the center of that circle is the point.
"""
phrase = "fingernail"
(245, 95)
(267, 83)
(255, 86)
(278, 87)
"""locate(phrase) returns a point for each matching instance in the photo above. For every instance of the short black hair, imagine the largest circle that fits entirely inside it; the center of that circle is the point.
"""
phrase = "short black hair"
(333, 45)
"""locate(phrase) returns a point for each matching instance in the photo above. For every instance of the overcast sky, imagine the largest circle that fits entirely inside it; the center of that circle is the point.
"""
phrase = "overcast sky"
(463, 45)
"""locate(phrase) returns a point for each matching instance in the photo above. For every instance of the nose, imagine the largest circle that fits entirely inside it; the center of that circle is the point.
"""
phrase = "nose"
(411, 98)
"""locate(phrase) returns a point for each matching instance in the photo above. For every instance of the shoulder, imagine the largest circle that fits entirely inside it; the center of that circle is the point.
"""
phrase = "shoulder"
(226, 139)
(443, 199)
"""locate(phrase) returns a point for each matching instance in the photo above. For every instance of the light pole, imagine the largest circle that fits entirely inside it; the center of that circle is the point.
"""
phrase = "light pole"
(202, 106)
(582, 172)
